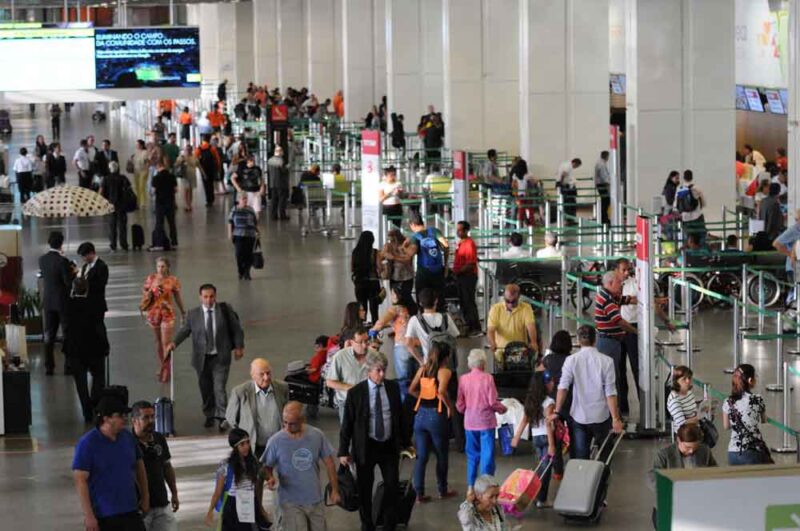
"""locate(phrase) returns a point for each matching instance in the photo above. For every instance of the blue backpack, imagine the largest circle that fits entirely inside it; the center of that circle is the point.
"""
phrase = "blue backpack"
(429, 254)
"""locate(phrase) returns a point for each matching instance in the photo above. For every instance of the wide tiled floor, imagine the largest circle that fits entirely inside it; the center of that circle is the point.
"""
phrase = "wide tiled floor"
(299, 295)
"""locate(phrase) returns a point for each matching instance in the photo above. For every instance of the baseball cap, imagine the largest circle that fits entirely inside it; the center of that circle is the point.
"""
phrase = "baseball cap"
(109, 405)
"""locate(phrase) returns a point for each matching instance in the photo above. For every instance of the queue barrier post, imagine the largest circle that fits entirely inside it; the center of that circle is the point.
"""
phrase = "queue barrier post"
(347, 234)
(560, 214)
(598, 209)
(580, 237)
(779, 385)
(743, 305)
(786, 447)
(551, 319)
(688, 345)
(761, 301)
(737, 339)
(546, 214)
(564, 266)
(671, 297)
(530, 240)
(740, 220)
(487, 296)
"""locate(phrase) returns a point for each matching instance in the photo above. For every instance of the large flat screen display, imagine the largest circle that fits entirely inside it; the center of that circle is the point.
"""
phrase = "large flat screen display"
(785, 99)
(147, 57)
(741, 99)
(774, 101)
(47, 59)
(753, 99)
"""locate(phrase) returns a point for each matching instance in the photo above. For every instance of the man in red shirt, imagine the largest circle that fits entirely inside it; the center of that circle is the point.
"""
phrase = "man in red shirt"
(465, 268)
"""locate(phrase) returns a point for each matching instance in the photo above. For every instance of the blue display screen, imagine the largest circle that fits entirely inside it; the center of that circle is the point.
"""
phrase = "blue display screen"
(147, 57)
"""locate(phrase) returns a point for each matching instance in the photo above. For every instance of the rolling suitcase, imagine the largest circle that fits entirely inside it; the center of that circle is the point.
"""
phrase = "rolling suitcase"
(407, 498)
(137, 237)
(582, 493)
(165, 424)
(522, 487)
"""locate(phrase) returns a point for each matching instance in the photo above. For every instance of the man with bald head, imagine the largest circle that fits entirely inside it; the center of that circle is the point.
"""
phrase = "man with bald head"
(255, 406)
(511, 320)
(295, 452)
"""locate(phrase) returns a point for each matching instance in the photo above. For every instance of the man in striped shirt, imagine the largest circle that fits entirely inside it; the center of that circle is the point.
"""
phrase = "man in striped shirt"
(611, 327)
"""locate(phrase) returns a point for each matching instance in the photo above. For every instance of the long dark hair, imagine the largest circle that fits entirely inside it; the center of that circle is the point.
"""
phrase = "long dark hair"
(362, 254)
(561, 343)
(351, 318)
(740, 381)
(405, 300)
(437, 356)
(243, 467)
(537, 392)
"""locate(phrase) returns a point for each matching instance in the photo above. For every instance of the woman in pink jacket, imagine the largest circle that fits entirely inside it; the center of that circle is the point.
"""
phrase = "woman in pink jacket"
(477, 400)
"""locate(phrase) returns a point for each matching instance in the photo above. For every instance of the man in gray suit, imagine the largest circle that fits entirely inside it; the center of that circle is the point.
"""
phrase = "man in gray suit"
(216, 332)
(256, 406)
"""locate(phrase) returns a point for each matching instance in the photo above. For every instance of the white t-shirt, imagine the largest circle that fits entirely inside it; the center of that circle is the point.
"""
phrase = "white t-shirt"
(541, 428)
(388, 190)
(81, 157)
(628, 311)
(784, 189)
(515, 252)
(22, 165)
(565, 169)
(434, 321)
(548, 252)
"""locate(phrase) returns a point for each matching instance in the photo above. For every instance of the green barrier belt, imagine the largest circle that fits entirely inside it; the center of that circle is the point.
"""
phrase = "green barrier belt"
(517, 260)
(676, 324)
(542, 305)
(577, 319)
(600, 258)
(720, 396)
(695, 269)
(708, 292)
(770, 337)
(794, 371)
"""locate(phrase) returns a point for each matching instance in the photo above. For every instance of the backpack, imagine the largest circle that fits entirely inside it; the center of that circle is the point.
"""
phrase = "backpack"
(428, 390)
(686, 201)
(439, 335)
(429, 254)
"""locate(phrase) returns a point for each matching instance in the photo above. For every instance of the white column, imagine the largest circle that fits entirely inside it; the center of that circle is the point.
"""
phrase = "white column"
(463, 83)
(265, 42)
(209, 38)
(225, 23)
(680, 115)
(358, 58)
(432, 59)
(404, 51)
(321, 48)
(245, 59)
(501, 75)
(794, 106)
(291, 44)
(564, 98)
(378, 50)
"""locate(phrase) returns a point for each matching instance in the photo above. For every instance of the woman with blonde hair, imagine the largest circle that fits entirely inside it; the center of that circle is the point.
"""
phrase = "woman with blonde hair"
(159, 289)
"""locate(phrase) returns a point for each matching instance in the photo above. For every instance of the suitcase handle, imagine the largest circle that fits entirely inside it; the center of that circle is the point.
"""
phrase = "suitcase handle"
(617, 439)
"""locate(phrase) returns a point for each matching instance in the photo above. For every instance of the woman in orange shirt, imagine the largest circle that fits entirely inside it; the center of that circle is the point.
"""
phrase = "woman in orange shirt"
(157, 293)
(186, 125)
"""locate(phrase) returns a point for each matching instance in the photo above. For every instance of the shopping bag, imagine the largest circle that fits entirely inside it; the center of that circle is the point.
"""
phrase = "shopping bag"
(258, 256)
(521, 488)
(505, 433)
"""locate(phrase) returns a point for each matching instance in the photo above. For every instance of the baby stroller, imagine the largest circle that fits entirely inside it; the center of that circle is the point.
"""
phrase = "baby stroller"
(452, 303)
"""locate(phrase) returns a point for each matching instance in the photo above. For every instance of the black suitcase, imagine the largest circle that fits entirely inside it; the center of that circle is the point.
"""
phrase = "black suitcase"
(303, 392)
(405, 503)
(137, 237)
(165, 406)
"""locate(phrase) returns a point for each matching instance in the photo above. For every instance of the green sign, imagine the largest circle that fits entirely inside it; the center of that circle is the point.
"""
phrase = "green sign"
(783, 518)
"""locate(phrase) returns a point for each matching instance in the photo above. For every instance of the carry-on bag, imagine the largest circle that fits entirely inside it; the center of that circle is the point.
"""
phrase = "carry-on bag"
(165, 406)
(582, 493)
(137, 237)
(406, 497)
(522, 487)
(348, 490)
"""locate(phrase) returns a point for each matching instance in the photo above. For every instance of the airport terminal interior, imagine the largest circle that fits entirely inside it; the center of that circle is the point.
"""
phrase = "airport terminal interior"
(559, 121)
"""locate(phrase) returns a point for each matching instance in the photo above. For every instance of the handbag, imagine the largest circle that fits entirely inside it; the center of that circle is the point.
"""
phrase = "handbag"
(258, 256)
(129, 202)
(710, 432)
(129, 167)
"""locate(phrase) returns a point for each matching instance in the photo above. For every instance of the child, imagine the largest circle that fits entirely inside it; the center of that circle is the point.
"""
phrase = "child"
(538, 406)
(239, 476)
(318, 360)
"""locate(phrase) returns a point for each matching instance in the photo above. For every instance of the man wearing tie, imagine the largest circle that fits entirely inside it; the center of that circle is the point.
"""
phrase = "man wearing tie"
(372, 413)
(216, 332)
(57, 279)
(104, 156)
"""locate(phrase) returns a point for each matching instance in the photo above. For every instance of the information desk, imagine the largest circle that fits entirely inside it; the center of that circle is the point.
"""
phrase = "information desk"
(746, 498)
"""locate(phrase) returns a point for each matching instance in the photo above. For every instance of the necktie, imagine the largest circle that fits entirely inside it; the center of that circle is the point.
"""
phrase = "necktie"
(379, 434)
(210, 330)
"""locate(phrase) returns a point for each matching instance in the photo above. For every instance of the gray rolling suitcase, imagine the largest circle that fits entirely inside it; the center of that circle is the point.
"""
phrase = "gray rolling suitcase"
(582, 493)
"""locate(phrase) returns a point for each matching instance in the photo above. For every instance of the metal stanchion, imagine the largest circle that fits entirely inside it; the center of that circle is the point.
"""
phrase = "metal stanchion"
(564, 265)
(547, 214)
(671, 297)
(737, 339)
(580, 237)
(347, 234)
(487, 295)
(689, 347)
(598, 209)
(787, 447)
(779, 385)
(530, 241)
(796, 349)
(724, 228)
(761, 302)
(740, 222)
(551, 319)
(560, 215)
(745, 302)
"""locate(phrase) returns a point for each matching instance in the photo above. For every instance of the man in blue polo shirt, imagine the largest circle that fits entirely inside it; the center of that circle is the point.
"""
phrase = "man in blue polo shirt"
(108, 469)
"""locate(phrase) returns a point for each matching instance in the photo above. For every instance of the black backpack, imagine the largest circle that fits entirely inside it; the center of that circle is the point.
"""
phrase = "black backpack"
(686, 201)
(348, 490)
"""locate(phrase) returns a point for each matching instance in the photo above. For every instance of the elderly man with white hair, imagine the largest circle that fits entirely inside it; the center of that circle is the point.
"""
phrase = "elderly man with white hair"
(549, 250)
(477, 400)
(480, 510)
(611, 327)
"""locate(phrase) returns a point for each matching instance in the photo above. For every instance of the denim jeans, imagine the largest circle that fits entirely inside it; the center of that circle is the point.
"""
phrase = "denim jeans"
(747, 457)
(480, 454)
(405, 367)
(613, 349)
(585, 433)
(430, 434)
(540, 444)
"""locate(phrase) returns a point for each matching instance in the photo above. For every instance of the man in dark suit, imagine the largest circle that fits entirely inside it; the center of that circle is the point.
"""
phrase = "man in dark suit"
(372, 413)
(216, 332)
(87, 342)
(113, 187)
(57, 280)
(103, 157)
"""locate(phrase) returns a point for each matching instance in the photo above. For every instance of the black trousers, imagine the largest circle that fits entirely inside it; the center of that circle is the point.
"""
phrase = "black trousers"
(243, 246)
(166, 212)
(118, 227)
(85, 179)
(280, 199)
(605, 202)
(25, 185)
(122, 522)
(80, 368)
(395, 212)
(52, 319)
(466, 296)
(367, 296)
(56, 122)
(383, 455)
(435, 282)
(208, 188)
(570, 199)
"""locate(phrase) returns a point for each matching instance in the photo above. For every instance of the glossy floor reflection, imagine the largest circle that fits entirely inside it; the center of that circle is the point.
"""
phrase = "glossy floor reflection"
(300, 294)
